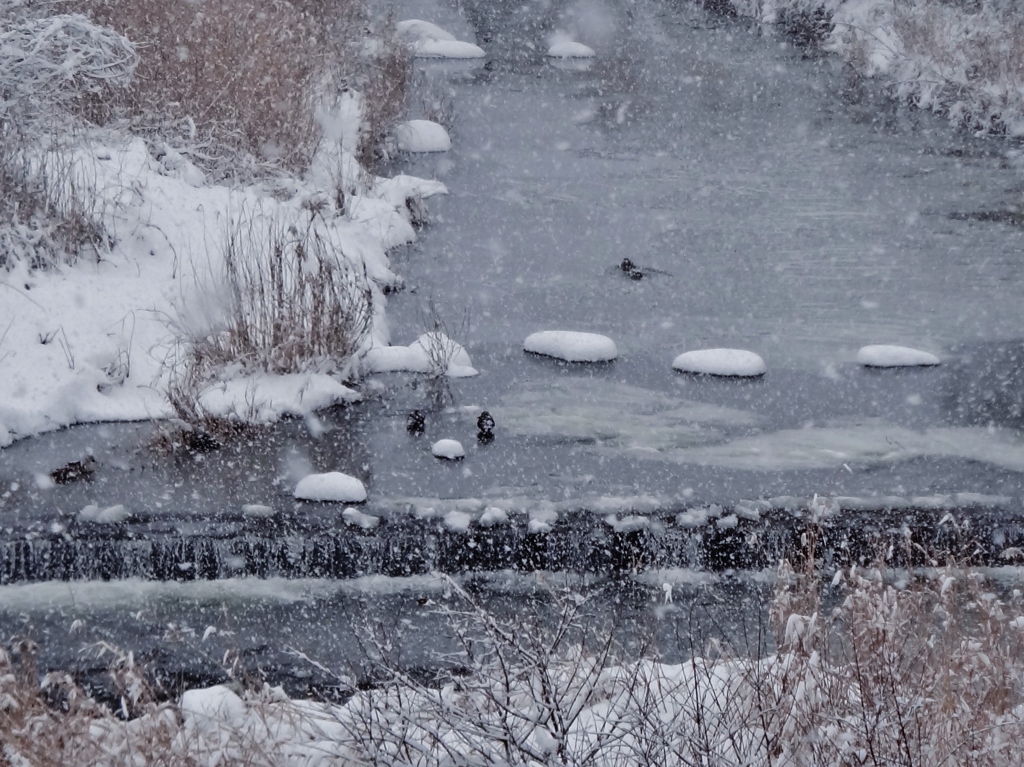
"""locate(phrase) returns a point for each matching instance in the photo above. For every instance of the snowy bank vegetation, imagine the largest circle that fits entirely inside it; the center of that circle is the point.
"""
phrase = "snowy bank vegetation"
(908, 668)
(185, 201)
(964, 60)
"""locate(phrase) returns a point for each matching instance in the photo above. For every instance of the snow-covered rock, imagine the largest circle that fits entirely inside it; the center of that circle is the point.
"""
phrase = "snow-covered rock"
(112, 515)
(493, 515)
(431, 48)
(332, 486)
(572, 346)
(417, 29)
(425, 355)
(422, 136)
(458, 521)
(886, 356)
(720, 362)
(449, 449)
(356, 518)
(569, 49)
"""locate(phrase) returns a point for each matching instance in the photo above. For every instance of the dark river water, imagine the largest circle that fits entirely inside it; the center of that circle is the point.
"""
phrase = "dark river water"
(774, 203)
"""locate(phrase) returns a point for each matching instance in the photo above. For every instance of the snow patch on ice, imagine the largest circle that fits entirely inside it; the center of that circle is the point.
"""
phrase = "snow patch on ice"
(571, 346)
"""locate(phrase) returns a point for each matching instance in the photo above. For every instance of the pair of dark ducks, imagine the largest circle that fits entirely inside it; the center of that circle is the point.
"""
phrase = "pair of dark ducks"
(417, 423)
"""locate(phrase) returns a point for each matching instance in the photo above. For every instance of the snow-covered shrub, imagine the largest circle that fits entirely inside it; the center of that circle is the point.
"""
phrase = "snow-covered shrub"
(384, 82)
(964, 60)
(234, 85)
(48, 65)
(927, 669)
(295, 301)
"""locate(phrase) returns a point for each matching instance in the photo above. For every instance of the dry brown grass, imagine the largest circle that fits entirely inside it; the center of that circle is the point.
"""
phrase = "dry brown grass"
(923, 670)
(229, 79)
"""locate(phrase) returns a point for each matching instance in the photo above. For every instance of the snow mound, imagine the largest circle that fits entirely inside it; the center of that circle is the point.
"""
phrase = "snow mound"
(720, 362)
(417, 29)
(568, 49)
(458, 521)
(426, 354)
(449, 449)
(571, 346)
(422, 136)
(332, 486)
(430, 48)
(885, 356)
(493, 515)
(356, 518)
(265, 398)
(112, 515)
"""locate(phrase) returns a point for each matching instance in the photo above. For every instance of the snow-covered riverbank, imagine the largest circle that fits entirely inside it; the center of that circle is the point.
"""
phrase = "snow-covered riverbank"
(961, 60)
(97, 339)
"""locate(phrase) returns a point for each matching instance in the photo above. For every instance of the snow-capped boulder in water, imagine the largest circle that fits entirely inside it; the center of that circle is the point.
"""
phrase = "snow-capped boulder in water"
(571, 346)
(446, 49)
(422, 136)
(448, 449)
(429, 41)
(721, 362)
(885, 356)
(568, 49)
(332, 486)
(417, 29)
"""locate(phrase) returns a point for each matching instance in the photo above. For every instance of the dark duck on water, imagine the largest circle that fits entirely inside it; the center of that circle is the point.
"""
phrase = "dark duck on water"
(416, 423)
(485, 427)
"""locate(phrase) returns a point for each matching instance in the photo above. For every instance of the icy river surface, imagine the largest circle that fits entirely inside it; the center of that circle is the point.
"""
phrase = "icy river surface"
(771, 203)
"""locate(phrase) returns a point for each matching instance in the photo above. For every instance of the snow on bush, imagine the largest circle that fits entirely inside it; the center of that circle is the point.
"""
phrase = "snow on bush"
(48, 66)
(925, 671)
(962, 60)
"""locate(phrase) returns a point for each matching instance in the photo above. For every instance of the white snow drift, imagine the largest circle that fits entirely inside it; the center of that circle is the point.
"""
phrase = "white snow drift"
(422, 136)
(885, 356)
(721, 362)
(332, 486)
(572, 346)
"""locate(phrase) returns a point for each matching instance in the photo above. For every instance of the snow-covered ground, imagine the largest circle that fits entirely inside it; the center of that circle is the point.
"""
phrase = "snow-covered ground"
(96, 340)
